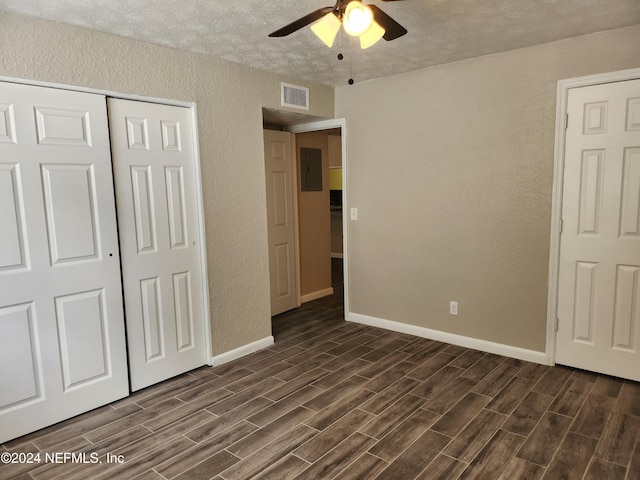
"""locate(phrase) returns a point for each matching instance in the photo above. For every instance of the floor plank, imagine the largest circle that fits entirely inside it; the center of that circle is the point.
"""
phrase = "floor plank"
(545, 439)
(333, 399)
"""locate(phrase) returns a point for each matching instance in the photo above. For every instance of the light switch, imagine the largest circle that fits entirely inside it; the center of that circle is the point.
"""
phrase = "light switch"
(354, 213)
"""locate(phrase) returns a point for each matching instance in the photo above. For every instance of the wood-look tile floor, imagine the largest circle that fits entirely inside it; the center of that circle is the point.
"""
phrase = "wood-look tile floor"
(332, 399)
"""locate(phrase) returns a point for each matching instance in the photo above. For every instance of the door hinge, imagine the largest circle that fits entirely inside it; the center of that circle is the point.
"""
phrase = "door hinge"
(561, 225)
(555, 327)
(566, 121)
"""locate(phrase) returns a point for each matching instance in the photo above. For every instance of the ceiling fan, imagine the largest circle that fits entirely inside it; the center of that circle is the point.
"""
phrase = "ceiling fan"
(367, 22)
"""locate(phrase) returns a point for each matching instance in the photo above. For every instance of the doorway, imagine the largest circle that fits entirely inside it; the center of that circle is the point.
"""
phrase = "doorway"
(334, 126)
(595, 258)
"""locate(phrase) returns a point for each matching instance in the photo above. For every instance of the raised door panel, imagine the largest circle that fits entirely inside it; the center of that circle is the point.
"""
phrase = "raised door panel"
(182, 299)
(70, 202)
(152, 318)
(59, 126)
(82, 323)
(280, 195)
(633, 114)
(12, 236)
(7, 123)
(630, 196)
(585, 295)
(595, 118)
(137, 133)
(143, 208)
(626, 319)
(591, 191)
(177, 216)
(20, 359)
(171, 136)
(282, 266)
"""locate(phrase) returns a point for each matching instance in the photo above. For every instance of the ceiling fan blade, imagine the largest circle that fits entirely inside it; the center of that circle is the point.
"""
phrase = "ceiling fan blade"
(301, 22)
(392, 28)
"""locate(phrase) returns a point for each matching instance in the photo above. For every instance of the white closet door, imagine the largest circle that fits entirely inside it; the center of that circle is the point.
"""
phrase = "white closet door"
(62, 341)
(156, 192)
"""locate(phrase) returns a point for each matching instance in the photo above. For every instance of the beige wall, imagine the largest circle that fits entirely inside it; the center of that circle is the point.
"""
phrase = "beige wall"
(314, 222)
(229, 101)
(451, 170)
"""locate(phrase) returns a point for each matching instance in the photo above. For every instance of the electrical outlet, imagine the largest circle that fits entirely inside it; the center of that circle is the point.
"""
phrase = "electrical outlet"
(453, 308)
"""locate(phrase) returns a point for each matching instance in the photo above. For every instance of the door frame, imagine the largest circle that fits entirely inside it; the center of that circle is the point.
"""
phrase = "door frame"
(327, 125)
(204, 277)
(556, 200)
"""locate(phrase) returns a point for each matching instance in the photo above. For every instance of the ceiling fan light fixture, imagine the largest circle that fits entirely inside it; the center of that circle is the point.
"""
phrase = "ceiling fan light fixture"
(372, 35)
(327, 28)
(357, 18)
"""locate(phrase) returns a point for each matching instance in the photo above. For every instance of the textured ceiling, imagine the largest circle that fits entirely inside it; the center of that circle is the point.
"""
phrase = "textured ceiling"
(440, 31)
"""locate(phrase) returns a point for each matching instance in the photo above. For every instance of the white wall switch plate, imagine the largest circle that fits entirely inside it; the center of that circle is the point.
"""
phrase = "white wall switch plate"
(453, 308)
(354, 213)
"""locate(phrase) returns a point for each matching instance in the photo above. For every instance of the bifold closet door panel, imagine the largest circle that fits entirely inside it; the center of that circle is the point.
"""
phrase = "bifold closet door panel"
(155, 181)
(62, 334)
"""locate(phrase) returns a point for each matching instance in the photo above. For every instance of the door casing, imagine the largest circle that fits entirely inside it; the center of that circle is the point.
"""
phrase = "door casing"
(556, 206)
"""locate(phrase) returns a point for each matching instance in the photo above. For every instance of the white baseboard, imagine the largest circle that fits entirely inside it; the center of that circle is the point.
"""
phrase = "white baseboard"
(242, 351)
(316, 295)
(337, 255)
(452, 338)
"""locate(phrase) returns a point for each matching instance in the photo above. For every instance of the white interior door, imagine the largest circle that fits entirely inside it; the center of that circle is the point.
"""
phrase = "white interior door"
(155, 181)
(599, 283)
(62, 341)
(280, 216)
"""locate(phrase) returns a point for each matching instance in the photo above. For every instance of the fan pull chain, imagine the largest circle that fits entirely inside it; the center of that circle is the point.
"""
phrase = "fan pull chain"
(350, 64)
(341, 56)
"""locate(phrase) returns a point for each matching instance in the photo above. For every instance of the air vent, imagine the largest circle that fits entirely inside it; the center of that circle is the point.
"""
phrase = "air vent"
(294, 96)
